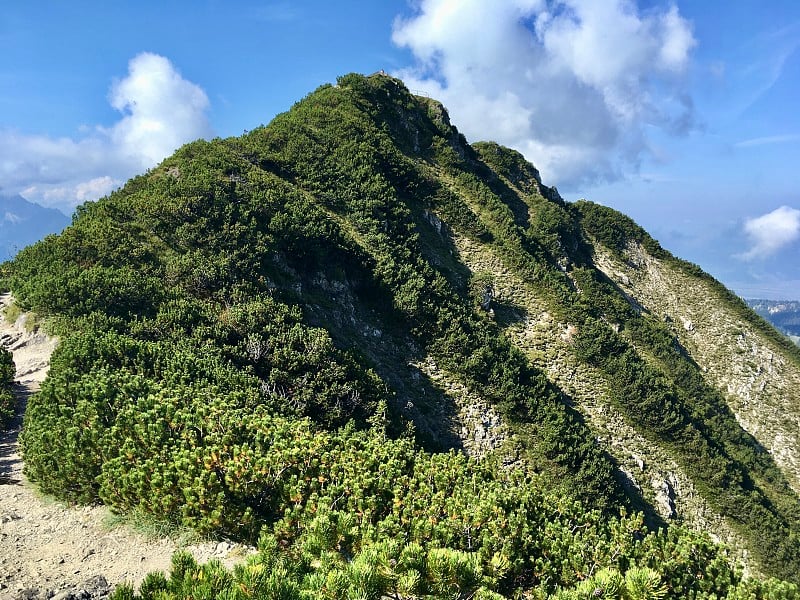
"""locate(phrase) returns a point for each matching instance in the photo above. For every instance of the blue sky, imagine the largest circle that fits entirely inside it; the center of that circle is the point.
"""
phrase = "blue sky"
(681, 114)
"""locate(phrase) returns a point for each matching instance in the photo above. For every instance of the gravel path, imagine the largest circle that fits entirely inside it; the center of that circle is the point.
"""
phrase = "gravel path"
(47, 549)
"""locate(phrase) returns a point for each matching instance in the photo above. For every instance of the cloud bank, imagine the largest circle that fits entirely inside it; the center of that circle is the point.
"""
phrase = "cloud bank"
(575, 85)
(160, 111)
(771, 233)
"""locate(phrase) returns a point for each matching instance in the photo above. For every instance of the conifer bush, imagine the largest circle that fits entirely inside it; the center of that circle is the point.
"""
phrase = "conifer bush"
(7, 372)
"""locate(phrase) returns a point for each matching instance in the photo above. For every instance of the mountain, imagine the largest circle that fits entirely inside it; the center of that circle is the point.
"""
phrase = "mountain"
(406, 366)
(22, 223)
(783, 314)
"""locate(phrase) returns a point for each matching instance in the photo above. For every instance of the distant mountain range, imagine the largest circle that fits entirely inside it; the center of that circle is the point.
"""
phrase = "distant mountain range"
(783, 314)
(22, 223)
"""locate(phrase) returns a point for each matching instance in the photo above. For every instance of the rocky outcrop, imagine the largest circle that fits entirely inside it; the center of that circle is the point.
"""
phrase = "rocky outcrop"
(761, 386)
(645, 468)
(31, 347)
(476, 423)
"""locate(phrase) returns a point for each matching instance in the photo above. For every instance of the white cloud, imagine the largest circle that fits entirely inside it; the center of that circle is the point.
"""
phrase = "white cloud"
(95, 188)
(768, 140)
(770, 233)
(161, 111)
(573, 84)
(762, 62)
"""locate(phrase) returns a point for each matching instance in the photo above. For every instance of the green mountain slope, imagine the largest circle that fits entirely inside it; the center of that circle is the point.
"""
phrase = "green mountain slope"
(281, 335)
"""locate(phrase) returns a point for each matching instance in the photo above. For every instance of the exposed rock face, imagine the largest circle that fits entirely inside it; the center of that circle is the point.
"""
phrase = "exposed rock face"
(487, 295)
(436, 222)
(31, 348)
(475, 423)
(666, 495)
(646, 469)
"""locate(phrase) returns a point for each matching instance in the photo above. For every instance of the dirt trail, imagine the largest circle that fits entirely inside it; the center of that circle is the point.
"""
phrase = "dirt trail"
(47, 549)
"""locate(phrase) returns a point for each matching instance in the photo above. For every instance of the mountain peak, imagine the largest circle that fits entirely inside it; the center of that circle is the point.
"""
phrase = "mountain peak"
(356, 284)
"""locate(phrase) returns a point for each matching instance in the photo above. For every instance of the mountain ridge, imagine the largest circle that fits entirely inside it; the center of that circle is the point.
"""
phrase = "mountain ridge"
(23, 223)
(357, 260)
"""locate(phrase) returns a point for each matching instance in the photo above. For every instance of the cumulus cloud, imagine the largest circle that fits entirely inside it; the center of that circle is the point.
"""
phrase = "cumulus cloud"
(573, 84)
(772, 232)
(160, 111)
(94, 188)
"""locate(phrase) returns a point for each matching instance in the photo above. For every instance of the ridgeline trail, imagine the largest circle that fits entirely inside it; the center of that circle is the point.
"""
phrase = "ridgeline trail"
(48, 549)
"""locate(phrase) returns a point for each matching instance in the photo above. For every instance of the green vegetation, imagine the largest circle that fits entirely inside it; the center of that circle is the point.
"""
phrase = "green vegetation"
(12, 312)
(614, 230)
(737, 476)
(236, 328)
(7, 403)
(329, 558)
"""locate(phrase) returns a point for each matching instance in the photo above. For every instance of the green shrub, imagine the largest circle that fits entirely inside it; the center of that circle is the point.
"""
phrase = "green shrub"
(7, 400)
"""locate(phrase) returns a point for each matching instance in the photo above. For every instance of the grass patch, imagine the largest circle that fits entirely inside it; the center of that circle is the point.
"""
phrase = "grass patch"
(153, 528)
(12, 312)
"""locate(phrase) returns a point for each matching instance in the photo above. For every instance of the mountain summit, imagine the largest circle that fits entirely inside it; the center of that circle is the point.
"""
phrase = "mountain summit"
(409, 367)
